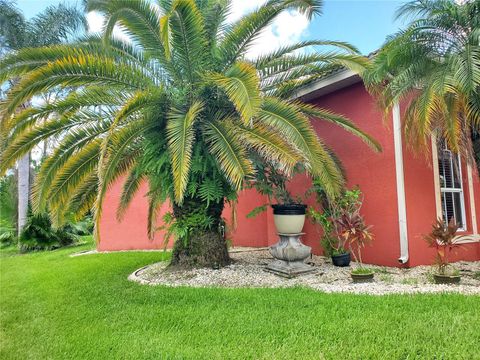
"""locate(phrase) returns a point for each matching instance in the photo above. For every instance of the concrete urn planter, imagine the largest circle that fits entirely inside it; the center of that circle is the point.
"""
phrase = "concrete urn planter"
(289, 252)
(290, 255)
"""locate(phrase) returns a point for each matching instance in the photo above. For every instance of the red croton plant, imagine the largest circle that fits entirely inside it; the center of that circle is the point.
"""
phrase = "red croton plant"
(352, 228)
(442, 238)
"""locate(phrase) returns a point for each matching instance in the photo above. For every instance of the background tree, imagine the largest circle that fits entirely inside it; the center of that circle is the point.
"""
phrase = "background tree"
(56, 24)
(173, 101)
(434, 65)
(8, 209)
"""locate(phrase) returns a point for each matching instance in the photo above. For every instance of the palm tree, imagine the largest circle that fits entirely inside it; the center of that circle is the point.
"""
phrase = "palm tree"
(434, 65)
(177, 104)
(53, 26)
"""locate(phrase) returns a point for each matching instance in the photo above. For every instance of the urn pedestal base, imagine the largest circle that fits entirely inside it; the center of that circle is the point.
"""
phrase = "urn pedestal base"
(290, 254)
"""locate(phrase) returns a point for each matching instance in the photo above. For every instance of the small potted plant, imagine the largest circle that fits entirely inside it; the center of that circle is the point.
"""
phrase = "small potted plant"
(352, 228)
(442, 239)
(288, 213)
(334, 245)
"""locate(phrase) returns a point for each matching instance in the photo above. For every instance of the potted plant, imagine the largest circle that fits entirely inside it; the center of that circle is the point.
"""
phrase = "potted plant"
(352, 228)
(334, 245)
(442, 239)
(288, 213)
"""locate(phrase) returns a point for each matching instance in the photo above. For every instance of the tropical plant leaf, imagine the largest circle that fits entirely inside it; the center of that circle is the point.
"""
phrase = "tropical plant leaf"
(272, 147)
(129, 189)
(292, 125)
(343, 122)
(180, 135)
(230, 155)
(241, 84)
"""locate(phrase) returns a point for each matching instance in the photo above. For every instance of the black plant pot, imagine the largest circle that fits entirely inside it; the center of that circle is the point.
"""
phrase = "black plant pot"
(289, 209)
(341, 260)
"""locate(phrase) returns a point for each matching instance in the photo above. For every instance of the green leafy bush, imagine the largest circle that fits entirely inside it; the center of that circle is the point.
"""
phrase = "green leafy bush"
(7, 235)
(82, 228)
(38, 234)
(8, 211)
(332, 209)
(183, 228)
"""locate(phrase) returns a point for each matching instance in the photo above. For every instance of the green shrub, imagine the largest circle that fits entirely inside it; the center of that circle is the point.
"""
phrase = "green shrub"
(8, 211)
(38, 234)
(326, 244)
(82, 228)
(7, 235)
(8, 201)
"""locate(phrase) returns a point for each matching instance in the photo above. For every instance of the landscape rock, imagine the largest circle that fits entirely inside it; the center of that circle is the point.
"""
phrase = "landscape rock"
(248, 270)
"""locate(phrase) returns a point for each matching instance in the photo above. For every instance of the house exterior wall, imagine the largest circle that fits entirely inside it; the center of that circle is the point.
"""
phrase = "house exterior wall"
(131, 232)
(421, 209)
(373, 172)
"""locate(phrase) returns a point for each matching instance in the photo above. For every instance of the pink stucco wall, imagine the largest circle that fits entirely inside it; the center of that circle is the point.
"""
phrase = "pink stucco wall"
(373, 172)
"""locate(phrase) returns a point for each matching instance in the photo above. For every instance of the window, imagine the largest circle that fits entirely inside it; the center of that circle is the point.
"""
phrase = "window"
(453, 200)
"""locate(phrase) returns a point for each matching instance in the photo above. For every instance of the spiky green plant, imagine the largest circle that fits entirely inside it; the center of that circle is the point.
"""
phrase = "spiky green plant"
(434, 66)
(178, 104)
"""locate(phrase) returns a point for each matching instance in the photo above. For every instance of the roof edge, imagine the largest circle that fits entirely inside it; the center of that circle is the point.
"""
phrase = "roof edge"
(328, 84)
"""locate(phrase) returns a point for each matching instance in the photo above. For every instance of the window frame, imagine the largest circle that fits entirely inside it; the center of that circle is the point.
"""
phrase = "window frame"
(443, 190)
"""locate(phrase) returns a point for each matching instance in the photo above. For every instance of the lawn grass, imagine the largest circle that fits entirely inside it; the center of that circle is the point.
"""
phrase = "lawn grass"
(57, 307)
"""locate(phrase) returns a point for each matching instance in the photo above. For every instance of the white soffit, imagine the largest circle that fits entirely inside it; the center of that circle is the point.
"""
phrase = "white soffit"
(331, 83)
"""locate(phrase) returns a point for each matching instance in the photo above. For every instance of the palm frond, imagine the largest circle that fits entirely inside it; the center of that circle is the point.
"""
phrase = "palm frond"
(78, 168)
(433, 66)
(287, 50)
(216, 14)
(85, 98)
(154, 203)
(117, 156)
(27, 140)
(72, 143)
(296, 129)
(339, 120)
(180, 135)
(246, 30)
(269, 145)
(56, 24)
(241, 84)
(76, 72)
(129, 189)
(139, 20)
(83, 197)
(229, 153)
(188, 37)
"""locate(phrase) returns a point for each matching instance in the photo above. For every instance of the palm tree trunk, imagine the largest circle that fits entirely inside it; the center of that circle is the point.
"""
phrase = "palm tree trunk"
(206, 247)
(23, 190)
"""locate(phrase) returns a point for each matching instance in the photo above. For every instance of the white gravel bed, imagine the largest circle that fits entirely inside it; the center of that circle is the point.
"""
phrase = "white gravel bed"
(248, 267)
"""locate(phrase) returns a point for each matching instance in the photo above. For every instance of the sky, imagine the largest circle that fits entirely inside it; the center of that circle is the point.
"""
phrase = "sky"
(363, 23)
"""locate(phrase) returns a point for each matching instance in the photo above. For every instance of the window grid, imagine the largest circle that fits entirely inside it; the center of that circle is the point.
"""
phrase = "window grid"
(451, 186)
